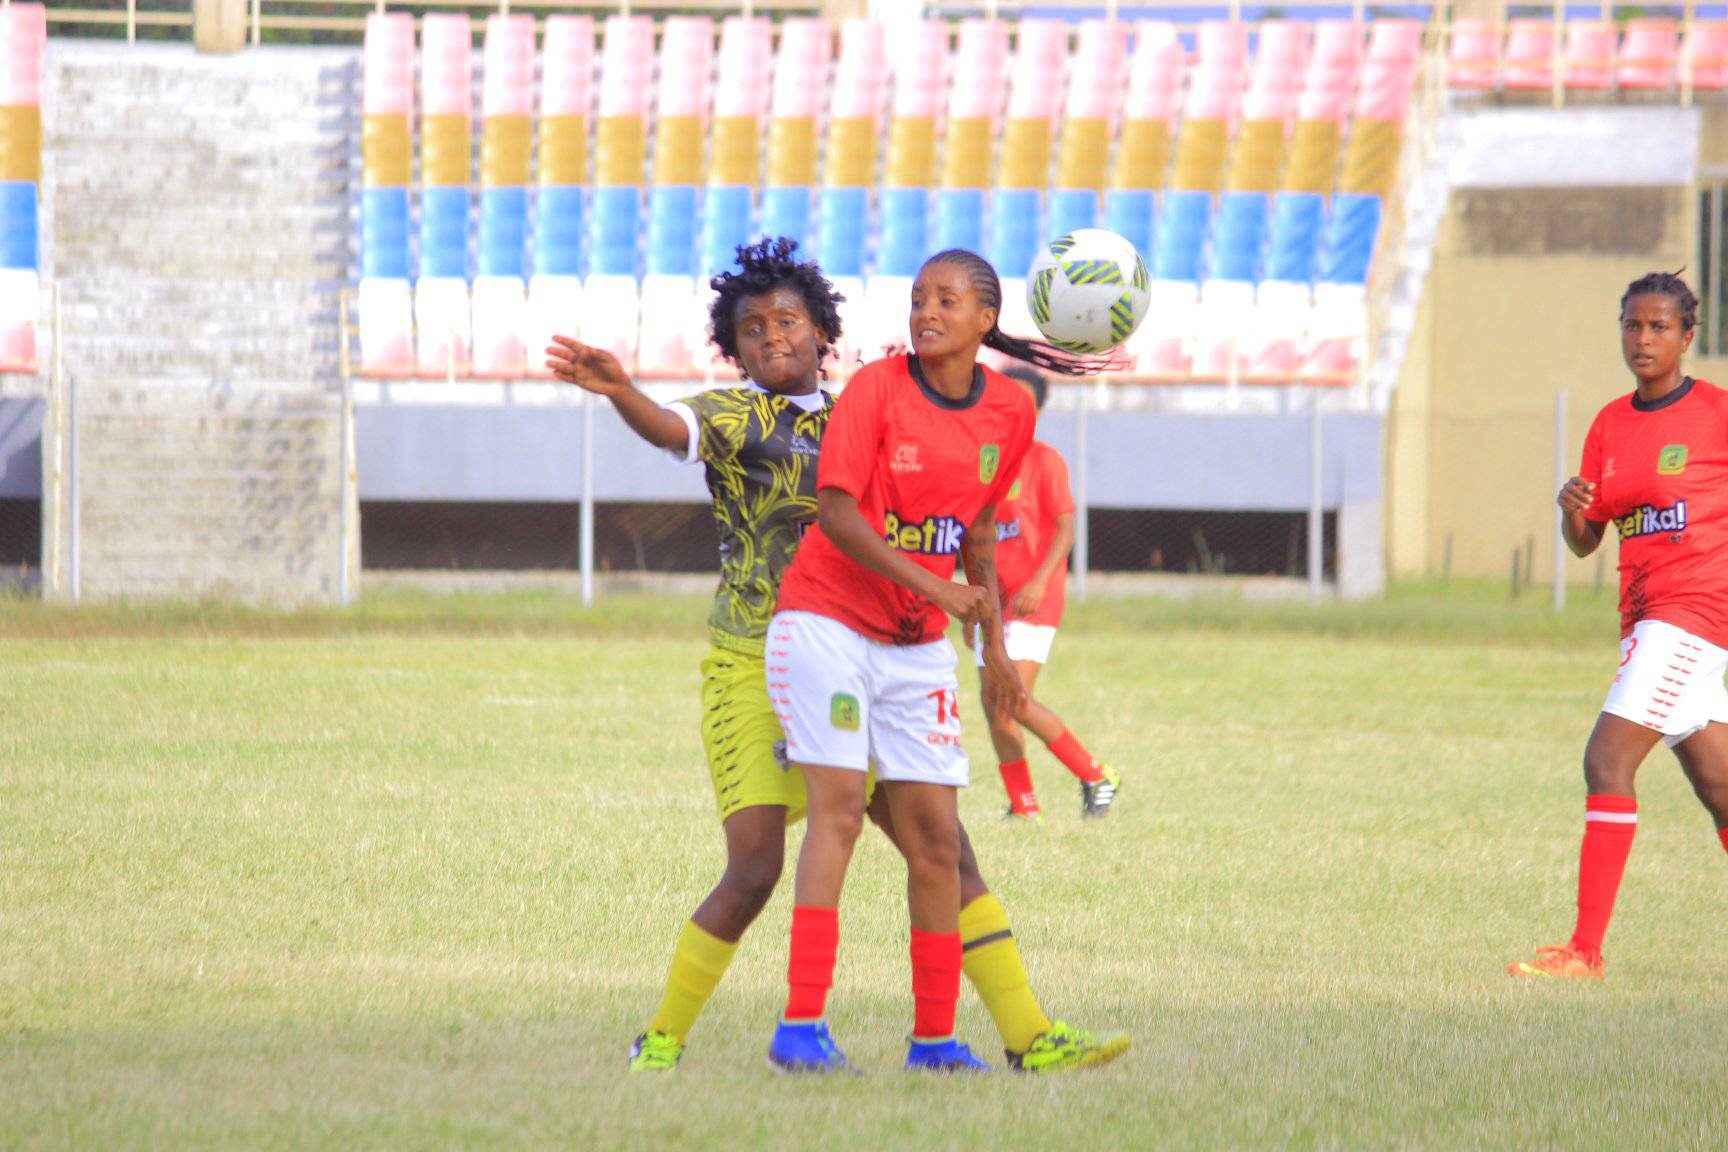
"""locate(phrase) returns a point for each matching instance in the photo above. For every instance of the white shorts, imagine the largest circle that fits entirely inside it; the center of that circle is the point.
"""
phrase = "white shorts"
(847, 701)
(1669, 680)
(1024, 642)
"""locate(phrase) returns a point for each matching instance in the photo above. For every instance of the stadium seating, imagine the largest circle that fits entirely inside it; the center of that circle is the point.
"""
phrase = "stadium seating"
(1704, 61)
(441, 296)
(1650, 55)
(506, 153)
(386, 300)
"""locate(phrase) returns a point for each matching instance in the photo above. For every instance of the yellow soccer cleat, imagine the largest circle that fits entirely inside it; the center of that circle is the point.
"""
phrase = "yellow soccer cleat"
(1560, 962)
(655, 1052)
(1063, 1048)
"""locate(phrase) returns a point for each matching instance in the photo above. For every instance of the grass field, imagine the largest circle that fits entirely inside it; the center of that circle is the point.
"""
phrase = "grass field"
(410, 876)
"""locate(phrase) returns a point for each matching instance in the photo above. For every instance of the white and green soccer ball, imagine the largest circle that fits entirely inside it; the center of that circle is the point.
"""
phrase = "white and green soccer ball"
(1088, 291)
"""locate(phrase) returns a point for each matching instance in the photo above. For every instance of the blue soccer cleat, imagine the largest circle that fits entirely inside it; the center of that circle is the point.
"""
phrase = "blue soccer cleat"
(942, 1056)
(806, 1047)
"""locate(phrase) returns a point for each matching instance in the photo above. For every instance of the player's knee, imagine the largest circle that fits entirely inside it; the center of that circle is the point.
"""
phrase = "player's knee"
(1604, 772)
(841, 823)
(753, 881)
(936, 850)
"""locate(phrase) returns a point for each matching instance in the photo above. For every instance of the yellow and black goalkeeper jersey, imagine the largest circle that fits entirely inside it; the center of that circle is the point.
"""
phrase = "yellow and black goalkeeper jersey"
(759, 451)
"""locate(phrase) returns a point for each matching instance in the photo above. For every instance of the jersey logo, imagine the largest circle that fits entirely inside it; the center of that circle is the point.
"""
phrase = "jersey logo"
(906, 459)
(989, 459)
(1007, 530)
(1650, 520)
(1672, 461)
(801, 446)
(932, 536)
(843, 712)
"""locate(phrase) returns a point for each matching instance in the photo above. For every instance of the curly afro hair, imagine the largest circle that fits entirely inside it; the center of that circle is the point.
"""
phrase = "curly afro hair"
(1670, 285)
(768, 264)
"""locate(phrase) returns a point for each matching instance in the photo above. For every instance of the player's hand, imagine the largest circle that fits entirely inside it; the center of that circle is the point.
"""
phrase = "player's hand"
(1576, 494)
(1030, 597)
(963, 602)
(1004, 694)
(969, 636)
(590, 369)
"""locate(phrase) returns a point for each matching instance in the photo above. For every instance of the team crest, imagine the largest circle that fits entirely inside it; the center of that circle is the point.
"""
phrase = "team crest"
(843, 712)
(989, 459)
(1672, 461)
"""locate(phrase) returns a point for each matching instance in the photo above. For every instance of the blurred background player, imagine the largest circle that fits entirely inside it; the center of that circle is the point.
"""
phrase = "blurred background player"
(1035, 534)
(776, 318)
(1656, 466)
(918, 453)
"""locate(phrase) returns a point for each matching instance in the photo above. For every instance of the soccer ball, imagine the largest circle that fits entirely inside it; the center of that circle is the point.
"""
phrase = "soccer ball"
(1088, 291)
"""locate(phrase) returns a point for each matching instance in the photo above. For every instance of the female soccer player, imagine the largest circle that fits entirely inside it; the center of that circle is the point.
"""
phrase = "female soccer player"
(1034, 534)
(1656, 466)
(918, 453)
(775, 318)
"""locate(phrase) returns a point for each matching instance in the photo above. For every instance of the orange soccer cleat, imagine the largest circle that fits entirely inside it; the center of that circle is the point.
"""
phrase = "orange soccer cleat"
(1561, 962)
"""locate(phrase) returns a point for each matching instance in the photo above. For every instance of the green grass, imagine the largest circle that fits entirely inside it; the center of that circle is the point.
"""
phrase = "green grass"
(409, 875)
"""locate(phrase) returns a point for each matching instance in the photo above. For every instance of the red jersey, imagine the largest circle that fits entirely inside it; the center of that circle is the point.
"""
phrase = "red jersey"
(922, 467)
(1025, 528)
(1661, 475)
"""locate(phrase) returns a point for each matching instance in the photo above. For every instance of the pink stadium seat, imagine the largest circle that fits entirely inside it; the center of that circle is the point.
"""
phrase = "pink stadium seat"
(1326, 103)
(1274, 103)
(567, 66)
(1213, 95)
(1649, 55)
(1397, 41)
(23, 38)
(980, 71)
(1035, 87)
(1589, 55)
(1530, 55)
(1283, 43)
(508, 85)
(801, 68)
(446, 78)
(1473, 59)
(920, 67)
(1154, 72)
(1337, 45)
(1386, 91)
(1706, 56)
(686, 65)
(742, 74)
(388, 63)
(1095, 76)
(626, 66)
(1222, 42)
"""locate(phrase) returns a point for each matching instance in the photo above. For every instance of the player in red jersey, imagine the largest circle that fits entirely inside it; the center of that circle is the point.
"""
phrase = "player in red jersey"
(1034, 534)
(919, 451)
(1656, 467)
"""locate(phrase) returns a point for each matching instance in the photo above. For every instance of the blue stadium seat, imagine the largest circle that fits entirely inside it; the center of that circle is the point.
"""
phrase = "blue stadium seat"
(1072, 208)
(672, 217)
(614, 223)
(1294, 250)
(1016, 230)
(905, 231)
(728, 215)
(1351, 232)
(1239, 240)
(1129, 213)
(1184, 219)
(384, 233)
(560, 220)
(504, 232)
(444, 216)
(786, 212)
(960, 219)
(842, 235)
(18, 225)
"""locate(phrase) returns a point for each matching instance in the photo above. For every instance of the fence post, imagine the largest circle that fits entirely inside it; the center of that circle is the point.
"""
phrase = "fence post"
(1082, 499)
(1559, 516)
(587, 528)
(1316, 512)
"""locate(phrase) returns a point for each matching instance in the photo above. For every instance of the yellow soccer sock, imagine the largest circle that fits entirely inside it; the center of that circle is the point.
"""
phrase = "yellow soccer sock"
(992, 962)
(697, 965)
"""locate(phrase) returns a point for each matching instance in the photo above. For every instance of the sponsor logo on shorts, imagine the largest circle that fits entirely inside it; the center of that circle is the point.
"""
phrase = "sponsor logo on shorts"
(989, 459)
(1672, 460)
(1649, 520)
(843, 712)
(931, 536)
(1007, 529)
(780, 756)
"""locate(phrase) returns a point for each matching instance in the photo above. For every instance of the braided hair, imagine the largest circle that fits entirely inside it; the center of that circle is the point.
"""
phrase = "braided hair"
(1670, 285)
(988, 285)
(762, 267)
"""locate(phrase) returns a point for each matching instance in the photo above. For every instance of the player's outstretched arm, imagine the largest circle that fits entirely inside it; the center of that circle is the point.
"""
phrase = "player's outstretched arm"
(598, 371)
(1582, 534)
(1003, 691)
(837, 513)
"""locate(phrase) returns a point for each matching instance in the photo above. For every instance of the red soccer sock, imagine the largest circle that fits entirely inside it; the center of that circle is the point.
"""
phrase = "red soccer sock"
(815, 944)
(1075, 757)
(1017, 778)
(1609, 825)
(935, 983)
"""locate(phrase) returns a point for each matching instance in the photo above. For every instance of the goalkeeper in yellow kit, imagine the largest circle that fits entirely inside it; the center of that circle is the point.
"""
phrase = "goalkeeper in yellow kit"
(776, 319)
